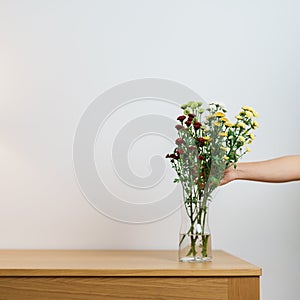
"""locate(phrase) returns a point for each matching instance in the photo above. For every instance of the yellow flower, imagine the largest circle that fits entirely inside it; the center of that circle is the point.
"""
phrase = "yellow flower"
(242, 139)
(206, 138)
(255, 124)
(225, 157)
(223, 133)
(219, 114)
(231, 137)
(227, 124)
(224, 148)
(242, 124)
(217, 124)
(250, 109)
(249, 114)
(209, 117)
(239, 117)
(248, 149)
(252, 136)
(224, 119)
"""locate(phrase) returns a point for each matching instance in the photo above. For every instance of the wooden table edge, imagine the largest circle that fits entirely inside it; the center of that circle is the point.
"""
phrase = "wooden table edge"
(129, 271)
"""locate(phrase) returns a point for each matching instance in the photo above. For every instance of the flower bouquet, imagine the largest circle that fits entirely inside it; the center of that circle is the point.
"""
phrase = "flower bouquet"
(207, 144)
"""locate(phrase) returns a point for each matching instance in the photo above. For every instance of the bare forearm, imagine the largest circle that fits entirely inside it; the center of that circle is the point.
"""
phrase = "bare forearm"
(282, 169)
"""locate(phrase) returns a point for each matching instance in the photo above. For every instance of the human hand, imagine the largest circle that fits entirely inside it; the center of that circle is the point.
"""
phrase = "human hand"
(230, 174)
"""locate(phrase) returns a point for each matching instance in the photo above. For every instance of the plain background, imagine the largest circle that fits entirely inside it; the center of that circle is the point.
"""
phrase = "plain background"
(57, 56)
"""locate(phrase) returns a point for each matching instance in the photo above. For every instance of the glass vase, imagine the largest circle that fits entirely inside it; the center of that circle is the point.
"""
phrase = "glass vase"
(195, 235)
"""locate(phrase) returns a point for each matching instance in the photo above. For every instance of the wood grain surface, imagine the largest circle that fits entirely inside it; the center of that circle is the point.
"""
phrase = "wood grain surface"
(132, 275)
(112, 288)
(117, 263)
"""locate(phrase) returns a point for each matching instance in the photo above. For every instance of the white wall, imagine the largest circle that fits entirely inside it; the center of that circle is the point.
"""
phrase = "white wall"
(56, 57)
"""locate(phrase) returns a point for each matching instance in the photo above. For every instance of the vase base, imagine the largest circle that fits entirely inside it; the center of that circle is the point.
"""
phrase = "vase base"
(196, 259)
(195, 248)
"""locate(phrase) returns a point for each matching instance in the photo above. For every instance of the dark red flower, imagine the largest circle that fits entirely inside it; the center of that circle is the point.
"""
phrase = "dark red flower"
(191, 116)
(200, 157)
(192, 148)
(197, 125)
(201, 141)
(179, 151)
(188, 123)
(178, 127)
(181, 118)
(179, 141)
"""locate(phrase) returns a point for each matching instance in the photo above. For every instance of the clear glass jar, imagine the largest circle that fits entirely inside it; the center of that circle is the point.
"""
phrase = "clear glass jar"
(195, 235)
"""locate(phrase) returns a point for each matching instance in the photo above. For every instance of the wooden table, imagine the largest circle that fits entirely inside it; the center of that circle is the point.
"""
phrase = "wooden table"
(76, 274)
